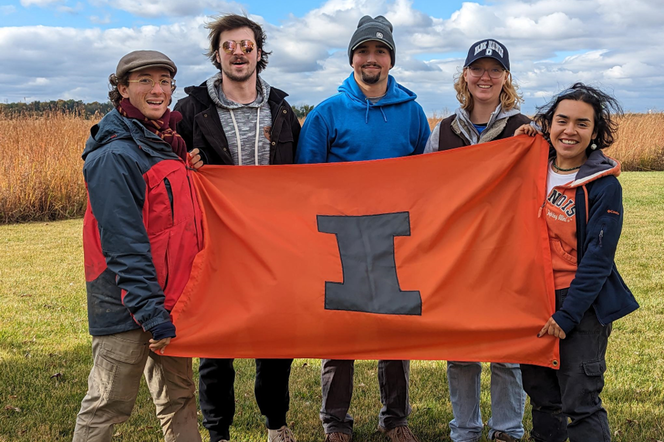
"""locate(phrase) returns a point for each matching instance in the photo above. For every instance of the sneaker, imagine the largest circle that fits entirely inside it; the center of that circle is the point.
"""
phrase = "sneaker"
(500, 436)
(283, 434)
(338, 437)
(399, 434)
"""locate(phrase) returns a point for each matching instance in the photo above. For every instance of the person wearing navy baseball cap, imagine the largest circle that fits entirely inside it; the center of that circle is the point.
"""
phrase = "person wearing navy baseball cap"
(489, 111)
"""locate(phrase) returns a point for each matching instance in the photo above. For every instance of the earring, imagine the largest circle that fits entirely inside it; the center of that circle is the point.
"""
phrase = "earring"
(593, 146)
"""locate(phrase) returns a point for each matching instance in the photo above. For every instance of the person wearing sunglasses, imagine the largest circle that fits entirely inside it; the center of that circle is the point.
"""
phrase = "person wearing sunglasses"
(236, 118)
(142, 215)
(373, 117)
(489, 111)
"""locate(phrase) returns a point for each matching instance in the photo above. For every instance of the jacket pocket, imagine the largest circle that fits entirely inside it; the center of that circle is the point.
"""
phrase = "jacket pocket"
(159, 245)
(160, 206)
(559, 249)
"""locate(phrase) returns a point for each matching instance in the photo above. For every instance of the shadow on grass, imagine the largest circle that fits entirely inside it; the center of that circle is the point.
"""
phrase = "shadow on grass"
(40, 394)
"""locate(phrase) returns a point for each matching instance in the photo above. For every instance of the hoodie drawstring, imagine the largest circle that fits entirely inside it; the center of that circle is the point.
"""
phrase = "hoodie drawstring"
(383, 112)
(258, 126)
(239, 142)
(366, 117)
(237, 137)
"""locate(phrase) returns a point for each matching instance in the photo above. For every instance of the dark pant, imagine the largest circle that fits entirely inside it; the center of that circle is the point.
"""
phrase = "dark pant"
(573, 390)
(337, 387)
(217, 395)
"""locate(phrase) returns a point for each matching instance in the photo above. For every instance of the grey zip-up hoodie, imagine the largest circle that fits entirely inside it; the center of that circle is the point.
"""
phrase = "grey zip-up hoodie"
(247, 126)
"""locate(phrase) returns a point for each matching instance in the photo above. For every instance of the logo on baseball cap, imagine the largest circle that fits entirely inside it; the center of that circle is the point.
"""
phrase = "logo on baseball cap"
(488, 49)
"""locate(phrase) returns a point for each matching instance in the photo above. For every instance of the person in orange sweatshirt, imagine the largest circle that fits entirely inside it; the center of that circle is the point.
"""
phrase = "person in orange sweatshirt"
(584, 214)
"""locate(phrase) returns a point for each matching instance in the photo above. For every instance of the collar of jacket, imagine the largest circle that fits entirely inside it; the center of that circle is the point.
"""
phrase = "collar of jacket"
(464, 128)
(596, 166)
(115, 127)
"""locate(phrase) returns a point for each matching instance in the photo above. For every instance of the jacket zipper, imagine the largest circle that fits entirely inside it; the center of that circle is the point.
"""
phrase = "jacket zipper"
(169, 191)
(167, 274)
(601, 236)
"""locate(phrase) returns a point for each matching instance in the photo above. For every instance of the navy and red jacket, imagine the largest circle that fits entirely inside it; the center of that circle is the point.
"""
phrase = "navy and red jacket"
(141, 230)
(599, 218)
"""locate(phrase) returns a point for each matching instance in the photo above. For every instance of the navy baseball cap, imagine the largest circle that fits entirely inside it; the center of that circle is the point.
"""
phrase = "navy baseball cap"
(488, 49)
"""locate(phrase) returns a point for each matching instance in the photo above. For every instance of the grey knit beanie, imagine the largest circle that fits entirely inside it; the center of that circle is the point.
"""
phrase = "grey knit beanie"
(378, 28)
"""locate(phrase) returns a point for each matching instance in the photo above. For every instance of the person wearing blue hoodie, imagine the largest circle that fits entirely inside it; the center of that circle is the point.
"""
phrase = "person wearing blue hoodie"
(372, 117)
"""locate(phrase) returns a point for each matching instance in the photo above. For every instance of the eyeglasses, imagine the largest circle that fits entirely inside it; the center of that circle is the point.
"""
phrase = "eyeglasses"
(477, 72)
(148, 83)
(246, 46)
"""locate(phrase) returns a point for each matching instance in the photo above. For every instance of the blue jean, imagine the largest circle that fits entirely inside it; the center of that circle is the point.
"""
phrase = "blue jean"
(507, 400)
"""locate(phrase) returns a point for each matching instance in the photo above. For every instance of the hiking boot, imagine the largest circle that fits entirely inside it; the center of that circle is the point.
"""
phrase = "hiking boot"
(399, 434)
(500, 436)
(283, 434)
(338, 437)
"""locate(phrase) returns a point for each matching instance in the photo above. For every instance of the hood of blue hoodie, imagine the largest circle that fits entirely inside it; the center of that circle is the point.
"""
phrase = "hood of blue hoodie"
(395, 94)
(114, 127)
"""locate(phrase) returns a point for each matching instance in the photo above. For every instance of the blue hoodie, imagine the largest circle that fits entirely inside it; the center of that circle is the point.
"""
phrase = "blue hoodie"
(349, 127)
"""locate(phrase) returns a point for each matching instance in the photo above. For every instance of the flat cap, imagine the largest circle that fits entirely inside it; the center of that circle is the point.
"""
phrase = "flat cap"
(137, 60)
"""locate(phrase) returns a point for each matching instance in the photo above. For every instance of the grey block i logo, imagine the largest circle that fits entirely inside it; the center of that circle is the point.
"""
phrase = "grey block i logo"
(366, 249)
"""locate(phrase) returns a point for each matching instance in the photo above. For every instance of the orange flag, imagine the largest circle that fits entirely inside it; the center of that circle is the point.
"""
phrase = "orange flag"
(437, 256)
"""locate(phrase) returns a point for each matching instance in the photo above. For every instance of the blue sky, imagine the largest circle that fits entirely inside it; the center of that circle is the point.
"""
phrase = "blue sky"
(52, 49)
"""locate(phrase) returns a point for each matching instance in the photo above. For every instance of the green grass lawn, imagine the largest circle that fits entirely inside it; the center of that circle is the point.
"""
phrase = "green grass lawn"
(45, 353)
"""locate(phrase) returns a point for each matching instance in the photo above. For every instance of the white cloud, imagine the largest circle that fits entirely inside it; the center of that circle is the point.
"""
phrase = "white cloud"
(170, 8)
(40, 3)
(612, 45)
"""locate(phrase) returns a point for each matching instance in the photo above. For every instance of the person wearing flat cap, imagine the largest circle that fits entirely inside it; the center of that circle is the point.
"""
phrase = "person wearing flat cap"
(141, 232)
(372, 117)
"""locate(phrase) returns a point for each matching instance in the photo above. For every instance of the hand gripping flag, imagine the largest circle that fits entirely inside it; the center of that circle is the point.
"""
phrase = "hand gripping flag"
(437, 256)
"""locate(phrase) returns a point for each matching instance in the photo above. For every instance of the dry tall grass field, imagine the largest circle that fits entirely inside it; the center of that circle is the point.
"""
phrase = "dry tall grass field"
(40, 167)
(40, 161)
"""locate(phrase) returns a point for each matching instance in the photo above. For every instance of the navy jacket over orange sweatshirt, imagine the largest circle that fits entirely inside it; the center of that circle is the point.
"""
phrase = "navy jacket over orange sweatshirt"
(599, 216)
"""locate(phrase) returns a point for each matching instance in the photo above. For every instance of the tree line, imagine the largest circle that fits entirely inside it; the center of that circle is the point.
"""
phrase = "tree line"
(85, 110)
(38, 108)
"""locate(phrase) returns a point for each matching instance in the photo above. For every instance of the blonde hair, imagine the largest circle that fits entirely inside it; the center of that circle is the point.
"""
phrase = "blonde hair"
(509, 96)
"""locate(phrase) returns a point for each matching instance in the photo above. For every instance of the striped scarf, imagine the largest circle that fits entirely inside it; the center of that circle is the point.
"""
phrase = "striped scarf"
(164, 128)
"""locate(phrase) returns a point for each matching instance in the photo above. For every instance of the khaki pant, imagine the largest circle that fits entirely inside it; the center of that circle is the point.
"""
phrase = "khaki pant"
(119, 361)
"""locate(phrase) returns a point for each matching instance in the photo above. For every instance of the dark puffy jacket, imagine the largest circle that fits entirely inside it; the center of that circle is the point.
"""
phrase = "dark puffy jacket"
(597, 282)
(141, 229)
(202, 129)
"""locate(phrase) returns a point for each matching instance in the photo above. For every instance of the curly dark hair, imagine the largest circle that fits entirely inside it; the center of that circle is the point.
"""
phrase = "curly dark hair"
(230, 22)
(606, 109)
(114, 94)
